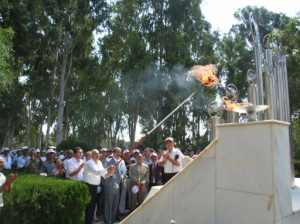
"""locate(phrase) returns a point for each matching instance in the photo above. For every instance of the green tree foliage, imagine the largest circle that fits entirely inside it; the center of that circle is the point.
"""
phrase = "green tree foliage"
(278, 32)
(160, 41)
(93, 70)
(235, 49)
(288, 39)
(6, 73)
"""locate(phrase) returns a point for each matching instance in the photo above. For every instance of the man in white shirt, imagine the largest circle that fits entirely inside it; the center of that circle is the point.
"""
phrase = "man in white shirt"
(68, 155)
(93, 171)
(171, 160)
(75, 165)
(5, 184)
(2, 181)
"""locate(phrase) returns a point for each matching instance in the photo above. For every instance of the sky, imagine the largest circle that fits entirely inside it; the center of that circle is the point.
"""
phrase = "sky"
(220, 12)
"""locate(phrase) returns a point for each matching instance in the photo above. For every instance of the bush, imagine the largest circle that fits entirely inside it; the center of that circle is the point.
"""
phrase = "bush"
(45, 200)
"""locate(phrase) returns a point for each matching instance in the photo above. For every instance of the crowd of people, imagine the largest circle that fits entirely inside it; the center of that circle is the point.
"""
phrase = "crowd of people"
(118, 180)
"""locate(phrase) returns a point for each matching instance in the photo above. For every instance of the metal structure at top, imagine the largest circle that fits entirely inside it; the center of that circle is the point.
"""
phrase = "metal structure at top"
(269, 84)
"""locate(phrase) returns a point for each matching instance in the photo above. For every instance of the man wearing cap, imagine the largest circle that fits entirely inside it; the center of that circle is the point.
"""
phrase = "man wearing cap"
(156, 171)
(49, 165)
(171, 160)
(111, 185)
(75, 165)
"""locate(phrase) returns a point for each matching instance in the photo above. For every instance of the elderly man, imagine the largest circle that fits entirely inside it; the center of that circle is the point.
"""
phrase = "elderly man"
(147, 155)
(112, 185)
(156, 171)
(139, 179)
(171, 160)
(93, 172)
(75, 165)
(49, 165)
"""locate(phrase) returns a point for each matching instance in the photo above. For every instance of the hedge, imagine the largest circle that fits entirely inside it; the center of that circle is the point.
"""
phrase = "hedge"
(45, 200)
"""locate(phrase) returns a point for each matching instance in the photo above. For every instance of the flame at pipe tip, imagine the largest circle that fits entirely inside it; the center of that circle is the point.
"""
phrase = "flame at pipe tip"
(205, 74)
(231, 106)
(244, 107)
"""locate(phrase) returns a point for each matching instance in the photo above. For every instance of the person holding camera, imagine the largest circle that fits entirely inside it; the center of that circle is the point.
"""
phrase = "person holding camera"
(171, 160)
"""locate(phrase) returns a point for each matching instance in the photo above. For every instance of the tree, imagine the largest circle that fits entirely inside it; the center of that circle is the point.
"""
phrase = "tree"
(160, 40)
(6, 73)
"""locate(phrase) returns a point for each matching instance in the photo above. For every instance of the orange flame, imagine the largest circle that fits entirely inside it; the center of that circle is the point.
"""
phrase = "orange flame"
(232, 106)
(206, 74)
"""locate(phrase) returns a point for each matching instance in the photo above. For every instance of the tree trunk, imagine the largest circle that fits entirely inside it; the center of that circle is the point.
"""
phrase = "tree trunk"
(61, 99)
(132, 123)
(49, 114)
(7, 142)
(40, 136)
(29, 124)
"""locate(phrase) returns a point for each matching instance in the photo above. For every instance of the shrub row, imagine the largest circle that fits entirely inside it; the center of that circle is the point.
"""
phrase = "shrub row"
(45, 200)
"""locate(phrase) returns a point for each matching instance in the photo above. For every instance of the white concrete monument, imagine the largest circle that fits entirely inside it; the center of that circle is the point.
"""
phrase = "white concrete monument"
(242, 177)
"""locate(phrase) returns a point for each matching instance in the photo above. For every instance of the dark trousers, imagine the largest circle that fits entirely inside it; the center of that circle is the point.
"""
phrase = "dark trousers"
(89, 212)
(167, 177)
(111, 205)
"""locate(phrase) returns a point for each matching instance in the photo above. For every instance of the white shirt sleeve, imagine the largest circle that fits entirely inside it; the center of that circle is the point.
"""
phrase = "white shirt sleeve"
(72, 166)
(2, 179)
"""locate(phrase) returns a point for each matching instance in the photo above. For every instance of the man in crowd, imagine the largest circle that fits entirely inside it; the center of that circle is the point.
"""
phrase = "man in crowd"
(156, 171)
(139, 179)
(68, 155)
(5, 184)
(147, 155)
(93, 172)
(21, 159)
(111, 186)
(49, 165)
(35, 164)
(8, 160)
(75, 165)
(171, 160)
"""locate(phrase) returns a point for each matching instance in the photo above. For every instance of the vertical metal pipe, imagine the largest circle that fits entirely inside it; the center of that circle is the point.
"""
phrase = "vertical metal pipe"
(286, 89)
(269, 83)
(258, 51)
(214, 121)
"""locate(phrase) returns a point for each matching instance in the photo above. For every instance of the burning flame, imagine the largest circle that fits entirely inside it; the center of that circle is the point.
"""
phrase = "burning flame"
(232, 106)
(206, 74)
